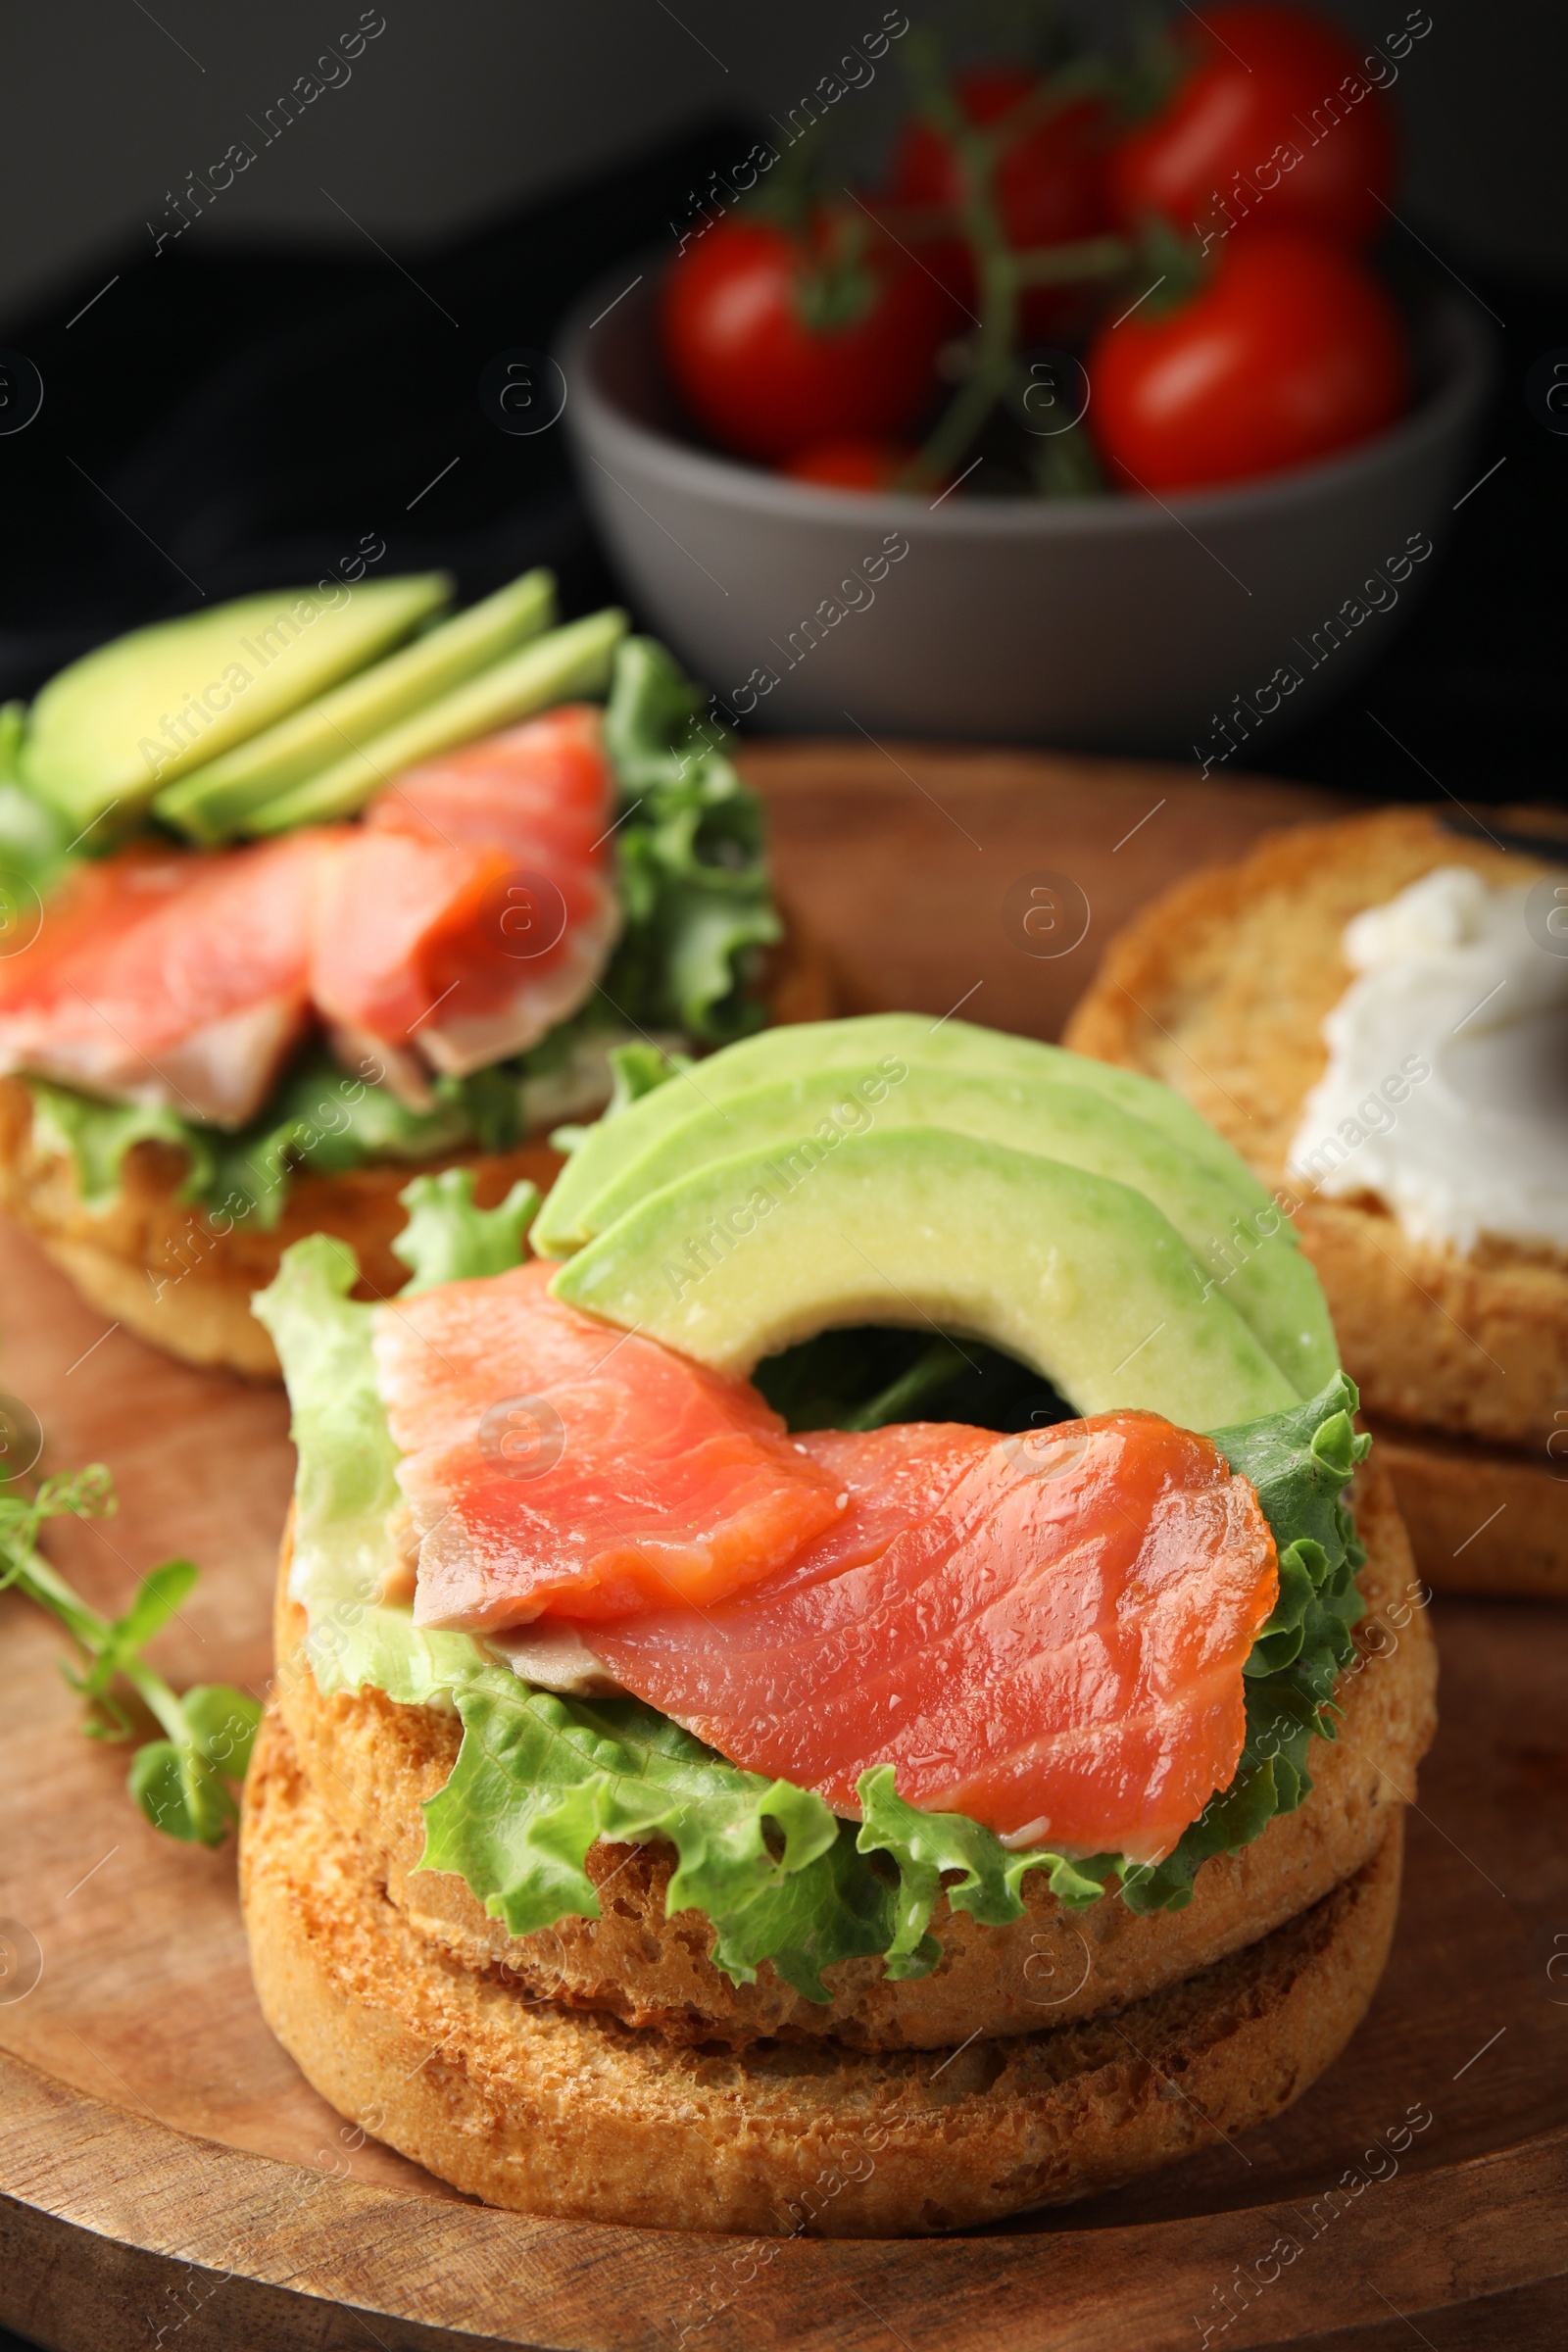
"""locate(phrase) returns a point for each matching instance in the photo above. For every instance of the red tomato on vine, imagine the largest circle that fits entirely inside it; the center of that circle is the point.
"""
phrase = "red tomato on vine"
(1289, 352)
(777, 340)
(1276, 126)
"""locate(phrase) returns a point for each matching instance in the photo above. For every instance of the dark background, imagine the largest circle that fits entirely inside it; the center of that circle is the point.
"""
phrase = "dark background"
(236, 409)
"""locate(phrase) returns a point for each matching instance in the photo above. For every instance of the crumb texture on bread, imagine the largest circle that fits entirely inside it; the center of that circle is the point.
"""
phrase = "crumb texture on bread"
(1220, 989)
(372, 1763)
(547, 2108)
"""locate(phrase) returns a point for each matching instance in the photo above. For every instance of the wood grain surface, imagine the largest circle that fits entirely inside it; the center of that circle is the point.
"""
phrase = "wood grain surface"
(903, 858)
(168, 2178)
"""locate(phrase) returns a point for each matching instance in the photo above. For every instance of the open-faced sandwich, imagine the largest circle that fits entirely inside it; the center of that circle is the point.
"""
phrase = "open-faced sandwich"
(293, 898)
(1375, 1014)
(844, 1693)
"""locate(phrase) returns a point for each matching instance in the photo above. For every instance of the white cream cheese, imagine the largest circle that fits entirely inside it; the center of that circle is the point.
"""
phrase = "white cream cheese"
(1447, 1088)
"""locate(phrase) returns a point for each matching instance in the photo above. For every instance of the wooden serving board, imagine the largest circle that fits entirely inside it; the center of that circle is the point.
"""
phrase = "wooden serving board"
(166, 2178)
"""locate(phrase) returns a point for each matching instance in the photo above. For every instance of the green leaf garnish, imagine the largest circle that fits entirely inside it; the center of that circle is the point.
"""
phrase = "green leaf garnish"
(181, 1780)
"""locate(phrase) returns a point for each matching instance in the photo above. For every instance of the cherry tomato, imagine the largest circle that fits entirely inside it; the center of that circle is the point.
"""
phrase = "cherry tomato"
(1291, 350)
(850, 463)
(1050, 185)
(741, 339)
(1275, 126)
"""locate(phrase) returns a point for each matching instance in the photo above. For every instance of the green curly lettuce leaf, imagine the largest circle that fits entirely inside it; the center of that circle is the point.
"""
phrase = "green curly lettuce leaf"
(692, 855)
(323, 1119)
(449, 1238)
(346, 1489)
(540, 1778)
(928, 1847)
(95, 1138)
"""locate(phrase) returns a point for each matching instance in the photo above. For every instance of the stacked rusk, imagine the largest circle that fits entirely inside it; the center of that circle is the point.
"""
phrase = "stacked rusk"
(672, 1816)
(1375, 1013)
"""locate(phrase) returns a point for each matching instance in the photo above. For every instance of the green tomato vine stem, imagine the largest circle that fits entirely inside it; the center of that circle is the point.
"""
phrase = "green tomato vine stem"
(1001, 273)
(997, 286)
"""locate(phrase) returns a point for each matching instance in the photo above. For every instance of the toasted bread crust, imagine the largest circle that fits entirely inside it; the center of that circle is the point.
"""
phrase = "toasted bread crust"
(1480, 1518)
(155, 1264)
(548, 2109)
(372, 1763)
(1220, 989)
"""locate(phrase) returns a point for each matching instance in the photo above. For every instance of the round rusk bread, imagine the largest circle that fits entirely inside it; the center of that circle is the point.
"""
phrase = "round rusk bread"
(528, 2104)
(369, 1763)
(152, 1262)
(1220, 988)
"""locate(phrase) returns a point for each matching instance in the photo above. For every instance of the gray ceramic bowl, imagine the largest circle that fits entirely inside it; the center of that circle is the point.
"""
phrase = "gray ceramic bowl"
(1113, 624)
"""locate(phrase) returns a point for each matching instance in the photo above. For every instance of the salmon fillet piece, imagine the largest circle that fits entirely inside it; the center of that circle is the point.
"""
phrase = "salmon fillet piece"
(180, 979)
(475, 908)
(552, 1461)
(1052, 1643)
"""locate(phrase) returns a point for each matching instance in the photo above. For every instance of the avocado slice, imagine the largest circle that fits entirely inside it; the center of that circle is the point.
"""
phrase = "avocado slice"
(133, 714)
(1269, 1283)
(907, 1038)
(209, 805)
(574, 661)
(1075, 1274)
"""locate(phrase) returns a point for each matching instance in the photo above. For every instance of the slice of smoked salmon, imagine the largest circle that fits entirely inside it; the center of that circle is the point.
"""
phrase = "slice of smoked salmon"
(552, 1460)
(470, 913)
(477, 905)
(543, 786)
(1051, 1643)
(179, 979)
